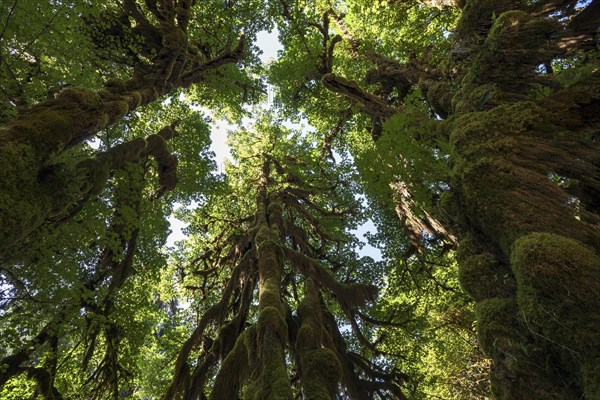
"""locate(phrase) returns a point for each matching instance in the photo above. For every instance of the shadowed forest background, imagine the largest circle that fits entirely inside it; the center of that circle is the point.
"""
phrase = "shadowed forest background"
(466, 131)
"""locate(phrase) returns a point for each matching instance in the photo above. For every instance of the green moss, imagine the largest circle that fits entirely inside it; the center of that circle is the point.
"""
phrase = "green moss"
(520, 369)
(572, 107)
(47, 131)
(509, 55)
(274, 208)
(115, 85)
(322, 371)
(96, 172)
(174, 38)
(265, 234)
(357, 294)
(482, 277)
(272, 318)
(439, 95)
(84, 98)
(236, 367)
(500, 171)
(269, 251)
(559, 292)
(157, 145)
(310, 314)
(22, 205)
(474, 97)
(476, 128)
(525, 374)
(477, 15)
(270, 293)
(271, 379)
(498, 328)
(308, 336)
(115, 110)
(134, 100)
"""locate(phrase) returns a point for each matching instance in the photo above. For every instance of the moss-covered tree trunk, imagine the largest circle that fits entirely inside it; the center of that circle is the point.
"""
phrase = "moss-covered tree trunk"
(271, 379)
(525, 189)
(320, 367)
(529, 248)
(283, 343)
(524, 184)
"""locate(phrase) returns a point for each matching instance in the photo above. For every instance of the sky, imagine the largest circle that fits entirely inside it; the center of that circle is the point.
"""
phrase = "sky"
(269, 44)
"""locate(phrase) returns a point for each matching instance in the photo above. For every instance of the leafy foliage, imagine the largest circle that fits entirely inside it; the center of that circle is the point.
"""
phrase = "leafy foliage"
(465, 130)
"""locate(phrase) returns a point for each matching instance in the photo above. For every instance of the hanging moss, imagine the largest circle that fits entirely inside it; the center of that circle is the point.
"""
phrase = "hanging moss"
(559, 292)
(236, 367)
(81, 97)
(322, 372)
(31, 196)
(115, 110)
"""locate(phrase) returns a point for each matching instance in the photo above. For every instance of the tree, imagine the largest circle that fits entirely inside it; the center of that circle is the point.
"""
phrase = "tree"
(291, 245)
(470, 128)
(511, 123)
(79, 303)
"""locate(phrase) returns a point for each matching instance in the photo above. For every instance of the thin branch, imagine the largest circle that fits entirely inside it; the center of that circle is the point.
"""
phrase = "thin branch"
(12, 8)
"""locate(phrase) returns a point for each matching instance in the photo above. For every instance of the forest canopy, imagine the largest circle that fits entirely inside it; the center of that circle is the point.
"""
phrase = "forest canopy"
(467, 132)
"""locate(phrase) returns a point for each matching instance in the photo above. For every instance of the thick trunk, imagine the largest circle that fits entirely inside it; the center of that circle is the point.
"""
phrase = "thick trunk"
(522, 172)
(532, 259)
(524, 183)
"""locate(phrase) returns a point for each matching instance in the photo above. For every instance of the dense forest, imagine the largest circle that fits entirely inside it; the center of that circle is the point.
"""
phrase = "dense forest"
(466, 131)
